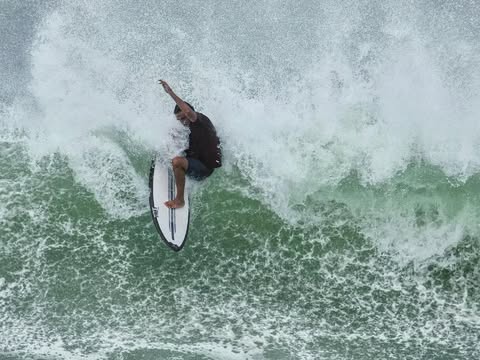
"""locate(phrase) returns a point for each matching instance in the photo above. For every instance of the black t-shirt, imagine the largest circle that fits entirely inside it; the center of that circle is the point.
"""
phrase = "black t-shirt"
(204, 143)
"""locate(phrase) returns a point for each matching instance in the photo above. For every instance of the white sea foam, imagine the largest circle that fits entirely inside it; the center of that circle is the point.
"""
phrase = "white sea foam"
(75, 89)
(360, 110)
(299, 115)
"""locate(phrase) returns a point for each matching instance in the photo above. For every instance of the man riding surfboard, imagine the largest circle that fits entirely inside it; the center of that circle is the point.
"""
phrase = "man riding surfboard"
(203, 155)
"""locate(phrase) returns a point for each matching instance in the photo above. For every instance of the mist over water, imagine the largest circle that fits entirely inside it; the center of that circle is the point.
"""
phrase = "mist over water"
(343, 224)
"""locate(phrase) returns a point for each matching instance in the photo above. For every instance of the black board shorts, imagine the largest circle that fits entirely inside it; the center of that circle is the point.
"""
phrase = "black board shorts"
(197, 170)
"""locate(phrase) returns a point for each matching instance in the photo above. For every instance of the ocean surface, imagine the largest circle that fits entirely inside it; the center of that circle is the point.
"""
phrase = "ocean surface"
(343, 225)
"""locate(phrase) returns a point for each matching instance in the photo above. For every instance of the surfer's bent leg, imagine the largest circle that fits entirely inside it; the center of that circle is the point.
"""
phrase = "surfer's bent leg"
(180, 166)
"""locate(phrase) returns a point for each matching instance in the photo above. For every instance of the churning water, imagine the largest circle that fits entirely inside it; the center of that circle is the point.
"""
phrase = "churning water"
(343, 225)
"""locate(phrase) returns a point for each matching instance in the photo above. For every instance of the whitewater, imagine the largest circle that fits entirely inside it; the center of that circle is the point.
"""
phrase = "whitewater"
(342, 225)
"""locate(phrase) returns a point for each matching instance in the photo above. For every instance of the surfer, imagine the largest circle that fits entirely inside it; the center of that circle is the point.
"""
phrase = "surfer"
(203, 154)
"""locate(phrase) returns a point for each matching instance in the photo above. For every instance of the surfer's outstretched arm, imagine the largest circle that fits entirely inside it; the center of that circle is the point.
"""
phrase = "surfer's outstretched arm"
(189, 113)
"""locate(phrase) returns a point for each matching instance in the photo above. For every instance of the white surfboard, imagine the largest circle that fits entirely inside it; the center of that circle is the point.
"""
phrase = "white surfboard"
(171, 224)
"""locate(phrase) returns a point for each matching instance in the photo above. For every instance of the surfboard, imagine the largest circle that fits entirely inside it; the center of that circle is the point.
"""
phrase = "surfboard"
(171, 224)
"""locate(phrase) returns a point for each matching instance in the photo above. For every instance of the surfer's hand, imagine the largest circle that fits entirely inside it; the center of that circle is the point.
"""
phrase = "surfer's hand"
(166, 87)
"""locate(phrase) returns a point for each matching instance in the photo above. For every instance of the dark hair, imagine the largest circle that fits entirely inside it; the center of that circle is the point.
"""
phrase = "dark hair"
(177, 108)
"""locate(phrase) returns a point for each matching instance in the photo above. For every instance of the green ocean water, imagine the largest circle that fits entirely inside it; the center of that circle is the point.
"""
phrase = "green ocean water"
(343, 224)
(77, 283)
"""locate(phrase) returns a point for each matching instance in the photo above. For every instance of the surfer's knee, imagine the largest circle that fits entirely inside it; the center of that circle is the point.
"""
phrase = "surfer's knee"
(179, 162)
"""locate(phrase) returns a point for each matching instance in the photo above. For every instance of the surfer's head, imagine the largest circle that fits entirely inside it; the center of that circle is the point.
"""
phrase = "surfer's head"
(180, 115)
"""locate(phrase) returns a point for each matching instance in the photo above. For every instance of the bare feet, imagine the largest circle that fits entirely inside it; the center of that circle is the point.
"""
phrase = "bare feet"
(175, 204)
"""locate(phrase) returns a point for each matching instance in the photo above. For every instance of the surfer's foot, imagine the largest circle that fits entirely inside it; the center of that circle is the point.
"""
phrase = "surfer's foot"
(175, 204)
